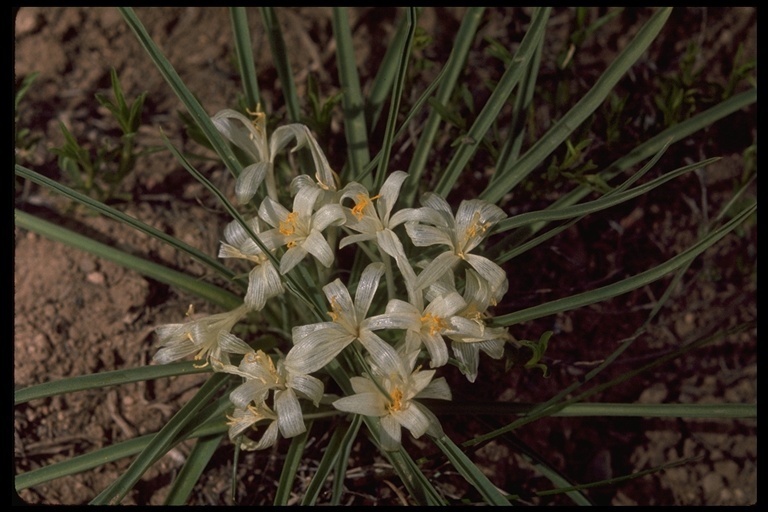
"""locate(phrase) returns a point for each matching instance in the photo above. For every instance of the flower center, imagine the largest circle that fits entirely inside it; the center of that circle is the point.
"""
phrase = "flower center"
(434, 323)
(362, 202)
(397, 400)
(288, 226)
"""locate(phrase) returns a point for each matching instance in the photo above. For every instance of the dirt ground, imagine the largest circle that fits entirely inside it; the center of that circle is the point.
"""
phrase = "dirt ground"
(77, 314)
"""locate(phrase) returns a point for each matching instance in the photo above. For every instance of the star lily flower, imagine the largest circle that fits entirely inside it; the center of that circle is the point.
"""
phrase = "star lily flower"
(396, 406)
(467, 344)
(199, 337)
(249, 416)
(301, 229)
(262, 376)
(376, 223)
(440, 318)
(315, 345)
(263, 280)
(435, 224)
(251, 137)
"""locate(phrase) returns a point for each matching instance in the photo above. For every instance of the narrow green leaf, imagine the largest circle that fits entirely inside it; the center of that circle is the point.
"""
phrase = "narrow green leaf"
(606, 201)
(352, 100)
(626, 285)
(291, 466)
(207, 291)
(327, 463)
(196, 110)
(280, 60)
(655, 144)
(397, 93)
(161, 443)
(489, 113)
(450, 75)
(471, 472)
(105, 379)
(117, 215)
(193, 468)
(385, 75)
(543, 147)
(105, 455)
(244, 52)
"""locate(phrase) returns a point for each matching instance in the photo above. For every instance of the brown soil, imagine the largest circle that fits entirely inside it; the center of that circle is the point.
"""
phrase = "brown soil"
(76, 314)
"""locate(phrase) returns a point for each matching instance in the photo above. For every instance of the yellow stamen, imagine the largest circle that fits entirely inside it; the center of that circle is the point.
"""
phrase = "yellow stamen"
(434, 322)
(362, 201)
(334, 313)
(258, 118)
(190, 310)
(288, 226)
(397, 400)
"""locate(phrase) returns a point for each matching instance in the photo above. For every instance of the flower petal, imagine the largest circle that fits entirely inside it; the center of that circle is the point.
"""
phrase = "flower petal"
(289, 416)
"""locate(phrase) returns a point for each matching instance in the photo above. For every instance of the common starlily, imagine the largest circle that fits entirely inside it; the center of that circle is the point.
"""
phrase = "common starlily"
(301, 229)
(315, 345)
(434, 224)
(467, 344)
(251, 137)
(261, 375)
(372, 218)
(199, 336)
(392, 398)
(263, 279)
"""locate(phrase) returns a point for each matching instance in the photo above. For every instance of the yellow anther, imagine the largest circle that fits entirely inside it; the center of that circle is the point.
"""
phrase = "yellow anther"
(334, 313)
(434, 322)
(397, 400)
(288, 226)
(362, 201)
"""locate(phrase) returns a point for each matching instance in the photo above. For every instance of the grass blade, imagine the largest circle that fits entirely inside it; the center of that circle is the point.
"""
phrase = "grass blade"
(160, 443)
(117, 215)
(453, 68)
(199, 114)
(336, 446)
(489, 113)
(626, 285)
(518, 170)
(244, 52)
(291, 466)
(102, 456)
(606, 201)
(471, 472)
(194, 466)
(397, 93)
(105, 379)
(352, 100)
(280, 59)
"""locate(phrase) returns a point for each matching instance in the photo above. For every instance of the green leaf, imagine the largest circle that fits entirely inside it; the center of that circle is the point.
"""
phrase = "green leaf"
(511, 176)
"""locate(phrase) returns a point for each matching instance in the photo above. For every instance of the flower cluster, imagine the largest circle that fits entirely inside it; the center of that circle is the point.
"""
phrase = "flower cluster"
(386, 341)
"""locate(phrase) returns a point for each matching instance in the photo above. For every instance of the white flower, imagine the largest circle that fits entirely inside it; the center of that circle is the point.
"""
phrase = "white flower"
(476, 336)
(200, 337)
(439, 318)
(263, 280)
(262, 376)
(376, 223)
(251, 137)
(301, 229)
(316, 345)
(392, 398)
(249, 416)
(437, 225)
